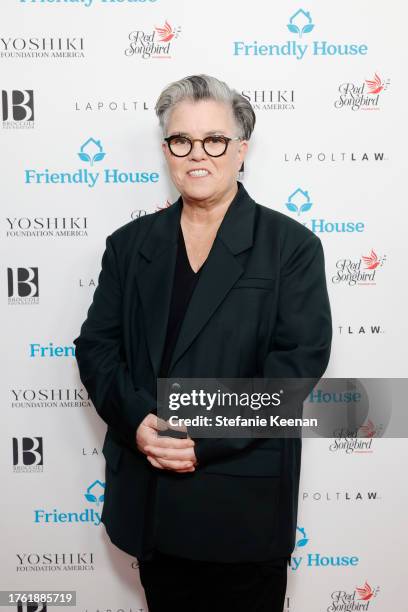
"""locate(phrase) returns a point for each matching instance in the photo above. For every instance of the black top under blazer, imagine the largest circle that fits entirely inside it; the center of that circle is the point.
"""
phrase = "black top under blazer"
(260, 308)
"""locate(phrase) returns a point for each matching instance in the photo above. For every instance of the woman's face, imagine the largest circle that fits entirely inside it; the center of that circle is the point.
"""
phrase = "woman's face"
(198, 120)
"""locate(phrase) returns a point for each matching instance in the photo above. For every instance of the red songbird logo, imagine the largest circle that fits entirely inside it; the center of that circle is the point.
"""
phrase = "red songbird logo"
(375, 86)
(368, 429)
(165, 33)
(371, 262)
(365, 592)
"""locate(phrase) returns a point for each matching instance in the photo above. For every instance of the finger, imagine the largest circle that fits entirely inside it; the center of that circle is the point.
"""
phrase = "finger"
(173, 454)
(154, 462)
(176, 426)
(175, 465)
(169, 442)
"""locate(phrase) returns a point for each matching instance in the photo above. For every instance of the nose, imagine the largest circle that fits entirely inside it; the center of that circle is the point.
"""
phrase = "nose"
(197, 152)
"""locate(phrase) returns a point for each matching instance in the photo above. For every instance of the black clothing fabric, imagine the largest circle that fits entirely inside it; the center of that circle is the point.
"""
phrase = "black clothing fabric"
(185, 279)
(185, 585)
(259, 309)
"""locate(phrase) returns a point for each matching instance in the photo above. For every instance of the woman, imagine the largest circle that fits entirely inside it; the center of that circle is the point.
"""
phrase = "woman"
(215, 286)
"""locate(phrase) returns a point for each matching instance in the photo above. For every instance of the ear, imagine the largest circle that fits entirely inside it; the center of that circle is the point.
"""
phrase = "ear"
(242, 151)
(164, 147)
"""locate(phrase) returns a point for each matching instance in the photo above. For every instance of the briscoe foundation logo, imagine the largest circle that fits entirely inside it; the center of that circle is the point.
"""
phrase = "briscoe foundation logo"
(317, 559)
(46, 227)
(31, 607)
(28, 454)
(300, 202)
(95, 495)
(270, 99)
(23, 287)
(156, 43)
(359, 599)
(300, 24)
(364, 96)
(47, 47)
(18, 109)
(55, 562)
(91, 153)
(362, 271)
(50, 398)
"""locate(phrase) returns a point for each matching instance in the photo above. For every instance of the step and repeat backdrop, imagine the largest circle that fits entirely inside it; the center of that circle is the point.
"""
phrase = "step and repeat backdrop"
(81, 156)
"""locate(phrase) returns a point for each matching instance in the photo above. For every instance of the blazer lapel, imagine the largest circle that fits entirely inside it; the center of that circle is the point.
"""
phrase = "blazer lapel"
(220, 272)
(155, 278)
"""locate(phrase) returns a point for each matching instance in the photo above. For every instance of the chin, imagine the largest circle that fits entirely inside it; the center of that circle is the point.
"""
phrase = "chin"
(198, 192)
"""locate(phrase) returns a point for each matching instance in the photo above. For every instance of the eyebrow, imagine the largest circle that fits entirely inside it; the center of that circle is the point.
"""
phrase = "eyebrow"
(212, 133)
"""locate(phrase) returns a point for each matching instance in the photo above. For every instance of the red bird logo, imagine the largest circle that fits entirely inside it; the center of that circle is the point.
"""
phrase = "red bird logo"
(165, 33)
(365, 592)
(371, 262)
(375, 86)
(167, 204)
(368, 429)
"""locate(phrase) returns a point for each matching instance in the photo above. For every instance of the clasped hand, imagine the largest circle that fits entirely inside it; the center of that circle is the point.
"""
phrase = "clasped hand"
(164, 452)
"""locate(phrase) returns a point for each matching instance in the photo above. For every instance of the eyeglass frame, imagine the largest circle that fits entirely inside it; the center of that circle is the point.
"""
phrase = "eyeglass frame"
(193, 140)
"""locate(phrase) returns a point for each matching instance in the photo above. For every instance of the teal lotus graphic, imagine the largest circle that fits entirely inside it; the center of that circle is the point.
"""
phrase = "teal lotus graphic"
(92, 492)
(91, 151)
(300, 23)
(303, 540)
(299, 201)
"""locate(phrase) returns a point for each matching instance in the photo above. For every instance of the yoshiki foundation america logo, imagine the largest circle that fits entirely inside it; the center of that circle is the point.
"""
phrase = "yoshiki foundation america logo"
(156, 43)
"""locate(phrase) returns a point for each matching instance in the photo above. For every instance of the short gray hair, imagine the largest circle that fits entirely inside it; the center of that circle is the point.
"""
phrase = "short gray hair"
(204, 87)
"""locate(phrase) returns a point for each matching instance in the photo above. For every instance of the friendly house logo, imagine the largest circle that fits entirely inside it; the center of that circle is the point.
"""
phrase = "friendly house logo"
(300, 202)
(156, 43)
(94, 495)
(366, 95)
(300, 25)
(315, 559)
(91, 153)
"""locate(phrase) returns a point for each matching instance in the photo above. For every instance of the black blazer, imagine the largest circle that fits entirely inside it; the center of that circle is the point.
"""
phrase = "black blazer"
(260, 308)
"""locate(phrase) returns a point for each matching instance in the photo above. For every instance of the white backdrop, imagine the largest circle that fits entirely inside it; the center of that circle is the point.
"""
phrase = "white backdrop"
(328, 149)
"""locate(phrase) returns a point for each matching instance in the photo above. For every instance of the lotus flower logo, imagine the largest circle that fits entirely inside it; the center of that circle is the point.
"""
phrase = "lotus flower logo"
(166, 33)
(299, 201)
(91, 151)
(300, 23)
(303, 540)
(372, 261)
(365, 592)
(92, 492)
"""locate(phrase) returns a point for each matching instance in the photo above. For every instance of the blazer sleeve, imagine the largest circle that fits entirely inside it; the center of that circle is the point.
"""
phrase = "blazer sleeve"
(102, 368)
(302, 336)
